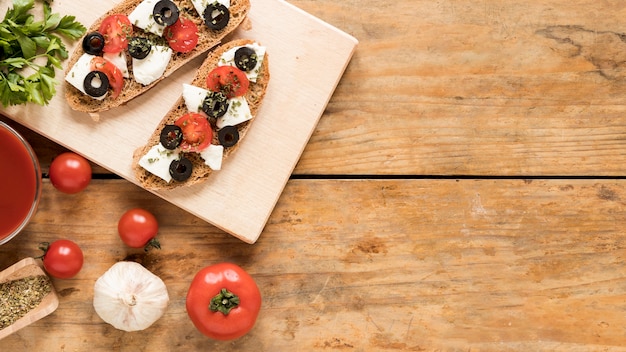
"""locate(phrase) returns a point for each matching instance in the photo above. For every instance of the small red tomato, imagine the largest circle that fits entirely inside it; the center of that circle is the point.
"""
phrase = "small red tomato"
(62, 259)
(137, 228)
(223, 301)
(70, 173)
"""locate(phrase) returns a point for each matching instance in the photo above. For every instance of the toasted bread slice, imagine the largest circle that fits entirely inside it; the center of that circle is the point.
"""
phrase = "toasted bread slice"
(254, 96)
(207, 40)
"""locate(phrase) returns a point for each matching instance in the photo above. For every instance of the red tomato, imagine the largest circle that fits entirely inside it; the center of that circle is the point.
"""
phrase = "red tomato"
(182, 36)
(223, 301)
(62, 259)
(70, 173)
(229, 80)
(197, 132)
(113, 73)
(137, 229)
(116, 30)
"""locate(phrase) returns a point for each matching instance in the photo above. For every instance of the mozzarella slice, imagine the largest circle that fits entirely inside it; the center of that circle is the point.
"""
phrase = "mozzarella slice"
(238, 112)
(194, 97)
(119, 60)
(157, 161)
(142, 17)
(200, 5)
(151, 68)
(78, 72)
(228, 59)
(213, 156)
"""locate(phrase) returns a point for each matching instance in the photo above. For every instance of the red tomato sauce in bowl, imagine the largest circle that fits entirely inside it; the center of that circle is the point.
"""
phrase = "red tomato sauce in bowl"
(20, 182)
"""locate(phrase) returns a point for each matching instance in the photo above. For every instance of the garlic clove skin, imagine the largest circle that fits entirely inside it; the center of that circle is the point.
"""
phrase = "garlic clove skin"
(130, 297)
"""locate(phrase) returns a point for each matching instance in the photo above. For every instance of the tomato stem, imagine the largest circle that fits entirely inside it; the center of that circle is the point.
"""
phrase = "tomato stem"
(224, 302)
(153, 243)
(44, 246)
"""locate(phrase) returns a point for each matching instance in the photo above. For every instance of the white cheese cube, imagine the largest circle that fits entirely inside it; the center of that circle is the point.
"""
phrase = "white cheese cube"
(151, 68)
(212, 156)
(228, 59)
(194, 97)
(78, 72)
(142, 17)
(200, 5)
(238, 112)
(157, 161)
(119, 60)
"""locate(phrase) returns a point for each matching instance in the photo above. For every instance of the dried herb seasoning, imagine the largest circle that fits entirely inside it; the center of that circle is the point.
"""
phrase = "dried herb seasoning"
(18, 297)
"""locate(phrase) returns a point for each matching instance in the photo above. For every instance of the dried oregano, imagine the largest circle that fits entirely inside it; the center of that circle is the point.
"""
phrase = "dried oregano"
(18, 297)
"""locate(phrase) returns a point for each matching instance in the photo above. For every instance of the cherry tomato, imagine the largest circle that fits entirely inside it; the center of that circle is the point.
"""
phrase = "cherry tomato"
(62, 259)
(113, 73)
(223, 301)
(182, 36)
(70, 173)
(197, 132)
(229, 80)
(137, 228)
(116, 30)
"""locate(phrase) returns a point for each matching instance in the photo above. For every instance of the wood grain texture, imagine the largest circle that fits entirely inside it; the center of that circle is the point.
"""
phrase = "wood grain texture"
(475, 88)
(364, 265)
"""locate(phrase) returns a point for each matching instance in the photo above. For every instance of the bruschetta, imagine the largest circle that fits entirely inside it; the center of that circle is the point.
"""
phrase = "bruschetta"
(138, 43)
(209, 120)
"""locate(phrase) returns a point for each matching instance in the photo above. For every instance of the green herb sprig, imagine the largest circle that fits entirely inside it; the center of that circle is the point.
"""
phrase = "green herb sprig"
(33, 46)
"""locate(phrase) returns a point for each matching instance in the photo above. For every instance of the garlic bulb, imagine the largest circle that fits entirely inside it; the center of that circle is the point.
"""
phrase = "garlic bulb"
(130, 297)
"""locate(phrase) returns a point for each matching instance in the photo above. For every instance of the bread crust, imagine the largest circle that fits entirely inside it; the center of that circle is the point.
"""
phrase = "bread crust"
(201, 171)
(207, 40)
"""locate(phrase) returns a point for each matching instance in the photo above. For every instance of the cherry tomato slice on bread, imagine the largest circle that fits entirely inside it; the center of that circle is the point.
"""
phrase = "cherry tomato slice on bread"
(197, 132)
(116, 30)
(229, 80)
(223, 301)
(62, 259)
(182, 36)
(113, 73)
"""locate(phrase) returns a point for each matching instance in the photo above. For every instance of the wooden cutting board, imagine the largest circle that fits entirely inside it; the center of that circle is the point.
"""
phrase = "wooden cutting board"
(307, 59)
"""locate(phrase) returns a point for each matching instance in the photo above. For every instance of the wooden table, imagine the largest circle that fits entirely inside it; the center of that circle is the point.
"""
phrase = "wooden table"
(464, 190)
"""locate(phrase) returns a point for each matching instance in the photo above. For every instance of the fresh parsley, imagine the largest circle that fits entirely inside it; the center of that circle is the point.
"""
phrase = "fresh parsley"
(30, 50)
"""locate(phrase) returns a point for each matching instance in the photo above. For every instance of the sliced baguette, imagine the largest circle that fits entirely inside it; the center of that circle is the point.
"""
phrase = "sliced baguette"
(201, 171)
(208, 39)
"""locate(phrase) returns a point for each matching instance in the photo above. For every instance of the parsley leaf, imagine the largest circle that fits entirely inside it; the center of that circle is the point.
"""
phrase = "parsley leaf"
(30, 50)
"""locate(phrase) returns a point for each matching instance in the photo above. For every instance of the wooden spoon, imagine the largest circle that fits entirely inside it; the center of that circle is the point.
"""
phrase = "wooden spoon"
(23, 268)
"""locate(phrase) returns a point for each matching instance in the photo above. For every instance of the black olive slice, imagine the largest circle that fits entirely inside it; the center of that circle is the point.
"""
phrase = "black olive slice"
(216, 16)
(165, 13)
(93, 43)
(96, 84)
(180, 169)
(215, 104)
(139, 47)
(171, 136)
(228, 136)
(245, 58)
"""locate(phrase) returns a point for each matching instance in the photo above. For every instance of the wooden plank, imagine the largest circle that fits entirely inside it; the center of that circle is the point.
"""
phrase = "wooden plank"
(499, 87)
(241, 196)
(364, 265)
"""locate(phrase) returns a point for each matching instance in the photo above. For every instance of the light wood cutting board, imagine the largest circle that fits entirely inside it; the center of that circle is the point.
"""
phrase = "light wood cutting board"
(307, 59)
